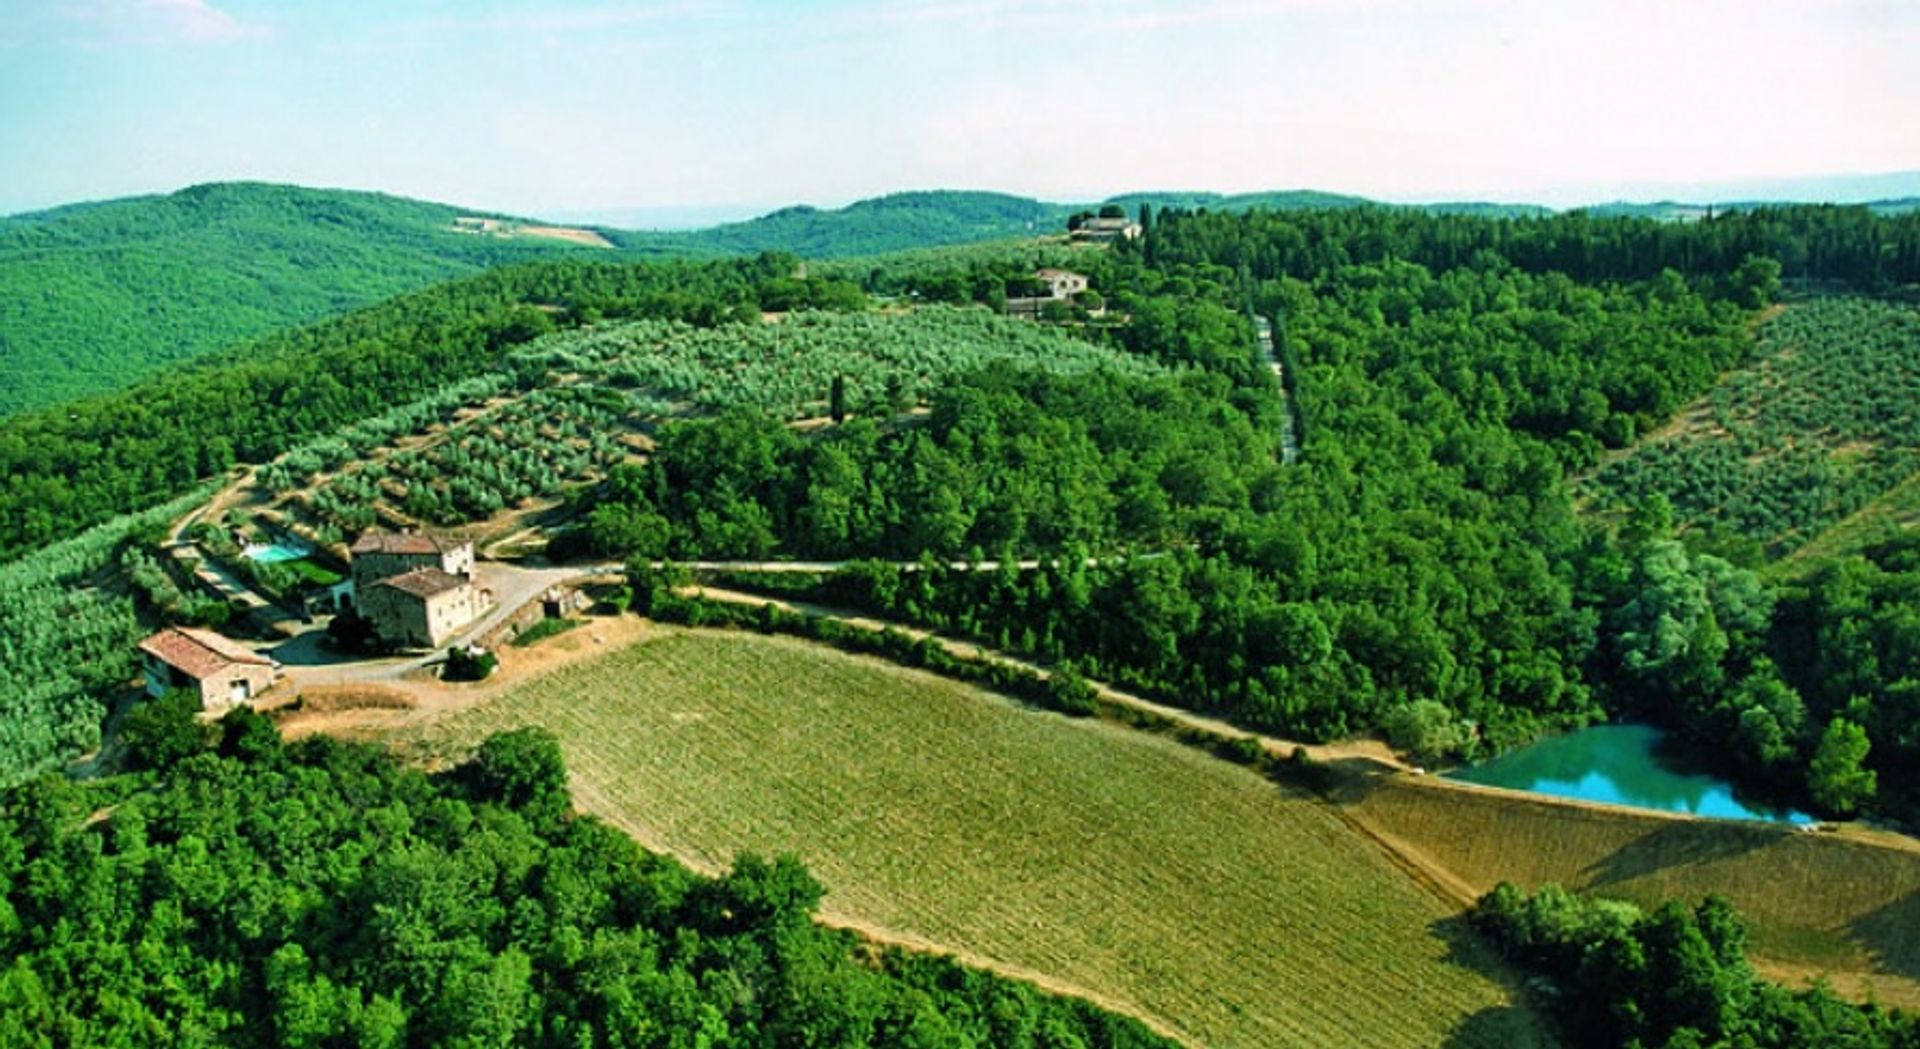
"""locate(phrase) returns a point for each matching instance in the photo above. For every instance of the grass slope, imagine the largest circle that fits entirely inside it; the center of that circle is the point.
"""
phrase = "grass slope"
(1125, 865)
(94, 297)
(1818, 903)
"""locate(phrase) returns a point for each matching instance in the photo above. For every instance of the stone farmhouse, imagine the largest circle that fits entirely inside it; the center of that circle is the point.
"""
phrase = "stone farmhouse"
(416, 590)
(222, 671)
(1104, 231)
(1059, 286)
(377, 555)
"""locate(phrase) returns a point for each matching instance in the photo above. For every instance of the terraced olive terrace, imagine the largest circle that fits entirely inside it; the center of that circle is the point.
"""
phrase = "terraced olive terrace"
(1814, 433)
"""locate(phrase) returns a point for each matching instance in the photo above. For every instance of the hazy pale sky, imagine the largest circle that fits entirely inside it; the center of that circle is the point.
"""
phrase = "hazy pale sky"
(548, 106)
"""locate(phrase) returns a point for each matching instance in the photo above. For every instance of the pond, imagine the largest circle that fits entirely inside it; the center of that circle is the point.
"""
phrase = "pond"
(1620, 764)
(273, 553)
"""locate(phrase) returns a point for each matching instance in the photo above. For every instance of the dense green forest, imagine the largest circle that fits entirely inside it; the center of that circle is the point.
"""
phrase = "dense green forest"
(95, 296)
(1849, 245)
(1005, 462)
(242, 893)
(1425, 554)
(1677, 978)
(1424, 548)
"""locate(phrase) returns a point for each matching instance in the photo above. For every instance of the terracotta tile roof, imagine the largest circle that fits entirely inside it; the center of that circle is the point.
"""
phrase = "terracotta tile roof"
(423, 582)
(199, 653)
(403, 543)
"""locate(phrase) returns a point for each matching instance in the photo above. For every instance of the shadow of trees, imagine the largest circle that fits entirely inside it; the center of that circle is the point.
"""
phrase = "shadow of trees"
(1501, 1027)
(1680, 844)
(1521, 1022)
(1892, 934)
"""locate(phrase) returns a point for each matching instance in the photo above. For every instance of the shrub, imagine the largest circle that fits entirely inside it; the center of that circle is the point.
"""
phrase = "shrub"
(465, 664)
(160, 733)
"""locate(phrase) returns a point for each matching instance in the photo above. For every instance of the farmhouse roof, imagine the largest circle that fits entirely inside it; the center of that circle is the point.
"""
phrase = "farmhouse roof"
(404, 543)
(199, 653)
(423, 582)
(1050, 274)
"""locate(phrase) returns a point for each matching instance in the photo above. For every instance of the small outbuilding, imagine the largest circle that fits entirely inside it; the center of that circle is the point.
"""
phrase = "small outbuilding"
(1061, 284)
(224, 672)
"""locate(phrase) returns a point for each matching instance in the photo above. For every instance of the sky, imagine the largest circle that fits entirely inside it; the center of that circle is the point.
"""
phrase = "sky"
(700, 106)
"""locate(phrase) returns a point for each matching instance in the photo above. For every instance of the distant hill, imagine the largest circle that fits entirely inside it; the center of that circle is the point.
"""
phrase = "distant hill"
(96, 296)
(894, 222)
(1678, 211)
(1278, 200)
(1298, 199)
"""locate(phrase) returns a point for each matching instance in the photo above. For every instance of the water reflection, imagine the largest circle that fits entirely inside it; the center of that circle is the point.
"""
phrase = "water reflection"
(1621, 764)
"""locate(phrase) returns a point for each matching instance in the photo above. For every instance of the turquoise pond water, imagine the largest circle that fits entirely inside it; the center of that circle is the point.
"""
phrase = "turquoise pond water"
(1621, 764)
(272, 553)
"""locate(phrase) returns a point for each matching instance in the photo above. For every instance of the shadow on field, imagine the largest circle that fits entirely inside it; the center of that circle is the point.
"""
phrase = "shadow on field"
(1497, 1026)
(1346, 781)
(1679, 845)
(1892, 933)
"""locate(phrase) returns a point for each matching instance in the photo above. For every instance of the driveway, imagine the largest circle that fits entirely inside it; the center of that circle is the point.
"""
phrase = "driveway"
(308, 662)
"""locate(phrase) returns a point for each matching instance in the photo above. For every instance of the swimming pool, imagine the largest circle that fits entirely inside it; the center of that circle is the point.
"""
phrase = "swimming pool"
(273, 553)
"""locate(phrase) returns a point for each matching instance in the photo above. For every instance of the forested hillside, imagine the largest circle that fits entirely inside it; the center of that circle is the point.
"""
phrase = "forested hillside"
(95, 296)
(1422, 569)
(245, 894)
(1421, 565)
(896, 222)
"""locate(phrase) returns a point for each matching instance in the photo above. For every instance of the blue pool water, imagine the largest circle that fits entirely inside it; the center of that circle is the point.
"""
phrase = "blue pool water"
(272, 553)
(1620, 764)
